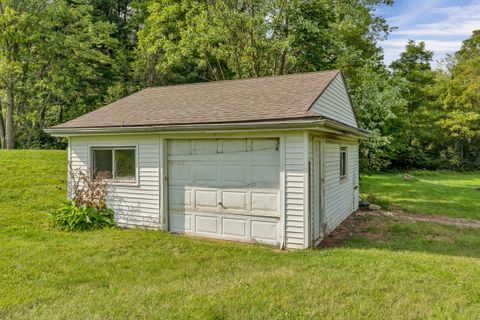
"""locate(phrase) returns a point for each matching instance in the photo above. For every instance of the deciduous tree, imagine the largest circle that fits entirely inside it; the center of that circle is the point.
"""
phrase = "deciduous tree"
(52, 54)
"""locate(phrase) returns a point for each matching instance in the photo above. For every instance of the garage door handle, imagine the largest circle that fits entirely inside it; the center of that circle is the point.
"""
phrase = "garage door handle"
(221, 204)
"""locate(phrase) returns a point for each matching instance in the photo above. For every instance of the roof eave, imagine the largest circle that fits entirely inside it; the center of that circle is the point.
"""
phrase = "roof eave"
(347, 129)
(313, 122)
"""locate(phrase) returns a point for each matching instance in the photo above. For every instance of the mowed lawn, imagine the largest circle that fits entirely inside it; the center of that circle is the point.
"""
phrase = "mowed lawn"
(443, 193)
(413, 270)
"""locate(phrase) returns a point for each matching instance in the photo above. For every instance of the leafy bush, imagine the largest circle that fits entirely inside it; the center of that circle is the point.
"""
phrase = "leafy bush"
(88, 209)
(71, 217)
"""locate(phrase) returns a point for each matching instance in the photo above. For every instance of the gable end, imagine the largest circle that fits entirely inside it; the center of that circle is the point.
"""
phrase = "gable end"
(334, 103)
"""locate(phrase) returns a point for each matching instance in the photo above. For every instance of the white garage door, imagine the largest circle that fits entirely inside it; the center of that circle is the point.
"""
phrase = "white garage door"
(225, 188)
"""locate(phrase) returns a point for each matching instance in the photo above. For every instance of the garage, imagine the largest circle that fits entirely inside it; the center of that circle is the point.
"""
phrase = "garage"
(225, 188)
(272, 160)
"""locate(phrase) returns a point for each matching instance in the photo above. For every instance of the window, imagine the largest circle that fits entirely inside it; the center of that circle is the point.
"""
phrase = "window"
(343, 163)
(117, 164)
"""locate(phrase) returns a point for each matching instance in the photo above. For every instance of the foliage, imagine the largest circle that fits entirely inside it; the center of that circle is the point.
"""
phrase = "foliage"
(55, 65)
(460, 107)
(196, 40)
(377, 100)
(60, 59)
(439, 126)
(411, 131)
(88, 209)
(185, 41)
(72, 217)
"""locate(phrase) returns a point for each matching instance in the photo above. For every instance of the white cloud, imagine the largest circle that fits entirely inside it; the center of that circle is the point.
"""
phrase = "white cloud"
(393, 48)
(433, 45)
(417, 10)
(451, 21)
(441, 28)
(458, 10)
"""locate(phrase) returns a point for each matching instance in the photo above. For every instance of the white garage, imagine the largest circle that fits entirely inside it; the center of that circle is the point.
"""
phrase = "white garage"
(268, 160)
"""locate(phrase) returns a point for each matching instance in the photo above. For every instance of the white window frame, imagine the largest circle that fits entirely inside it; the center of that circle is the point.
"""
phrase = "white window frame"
(113, 180)
(343, 149)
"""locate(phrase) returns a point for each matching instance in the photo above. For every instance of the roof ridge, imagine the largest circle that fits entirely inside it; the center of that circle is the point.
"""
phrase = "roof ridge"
(335, 71)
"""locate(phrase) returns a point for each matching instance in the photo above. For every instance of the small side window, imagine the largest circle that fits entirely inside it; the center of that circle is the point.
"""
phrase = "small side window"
(117, 164)
(343, 163)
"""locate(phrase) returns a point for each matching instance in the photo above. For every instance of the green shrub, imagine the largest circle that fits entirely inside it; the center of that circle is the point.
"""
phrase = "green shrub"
(71, 217)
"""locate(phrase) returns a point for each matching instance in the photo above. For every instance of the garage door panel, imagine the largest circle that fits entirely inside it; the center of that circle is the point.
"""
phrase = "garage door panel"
(264, 230)
(205, 173)
(179, 147)
(235, 175)
(180, 197)
(243, 228)
(234, 227)
(264, 144)
(206, 198)
(266, 175)
(233, 145)
(234, 200)
(264, 201)
(179, 173)
(206, 224)
(205, 146)
(180, 222)
(216, 188)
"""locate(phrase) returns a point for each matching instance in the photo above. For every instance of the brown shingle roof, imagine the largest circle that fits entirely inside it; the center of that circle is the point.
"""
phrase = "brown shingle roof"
(269, 98)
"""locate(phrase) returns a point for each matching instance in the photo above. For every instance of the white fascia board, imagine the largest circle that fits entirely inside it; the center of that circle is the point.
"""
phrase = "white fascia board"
(313, 124)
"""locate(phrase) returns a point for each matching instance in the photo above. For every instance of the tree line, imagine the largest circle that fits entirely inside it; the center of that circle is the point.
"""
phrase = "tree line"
(62, 58)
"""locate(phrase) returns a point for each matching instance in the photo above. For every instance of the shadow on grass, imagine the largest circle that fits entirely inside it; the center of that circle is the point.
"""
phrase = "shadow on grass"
(428, 237)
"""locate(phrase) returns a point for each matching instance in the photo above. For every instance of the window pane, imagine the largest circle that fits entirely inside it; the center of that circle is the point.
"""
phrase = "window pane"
(125, 164)
(102, 163)
(343, 162)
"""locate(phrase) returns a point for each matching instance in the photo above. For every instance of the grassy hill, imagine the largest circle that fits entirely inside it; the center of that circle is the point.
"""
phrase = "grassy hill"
(416, 270)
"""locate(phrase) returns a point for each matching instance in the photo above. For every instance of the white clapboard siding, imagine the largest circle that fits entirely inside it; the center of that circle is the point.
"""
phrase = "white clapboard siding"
(134, 205)
(353, 165)
(314, 190)
(341, 197)
(335, 104)
(296, 166)
(139, 205)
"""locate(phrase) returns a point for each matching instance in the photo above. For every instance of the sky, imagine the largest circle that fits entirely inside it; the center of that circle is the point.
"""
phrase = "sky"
(442, 24)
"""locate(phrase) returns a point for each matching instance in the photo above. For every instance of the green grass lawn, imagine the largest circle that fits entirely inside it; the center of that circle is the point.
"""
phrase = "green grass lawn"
(439, 193)
(413, 270)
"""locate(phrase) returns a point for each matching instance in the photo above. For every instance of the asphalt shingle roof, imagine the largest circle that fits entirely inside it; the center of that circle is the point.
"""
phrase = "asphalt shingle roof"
(258, 99)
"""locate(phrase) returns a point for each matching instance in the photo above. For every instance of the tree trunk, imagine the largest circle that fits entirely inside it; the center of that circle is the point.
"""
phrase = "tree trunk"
(60, 115)
(9, 129)
(2, 130)
(283, 57)
(37, 125)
